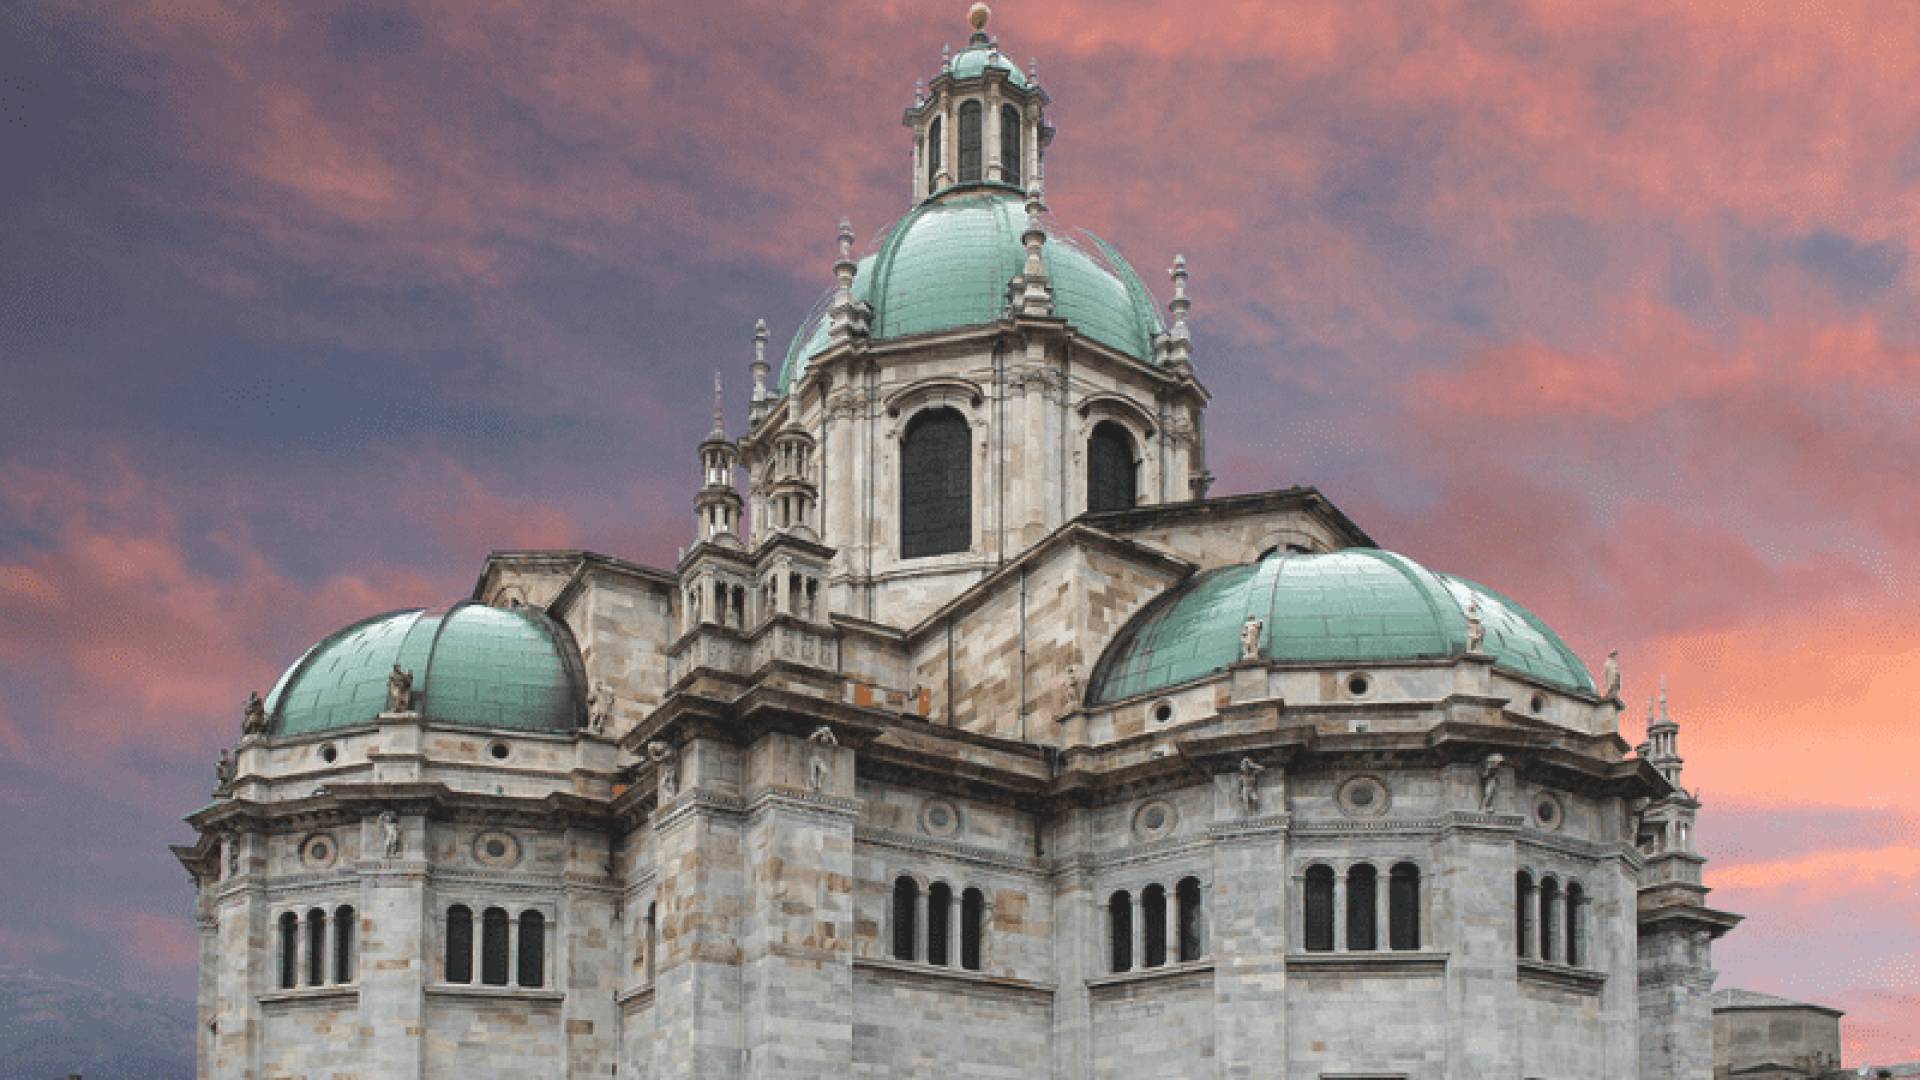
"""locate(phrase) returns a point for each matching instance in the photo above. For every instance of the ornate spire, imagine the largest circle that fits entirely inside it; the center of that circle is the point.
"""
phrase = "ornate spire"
(1179, 340)
(1663, 738)
(846, 318)
(759, 369)
(717, 505)
(719, 411)
(1035, 293)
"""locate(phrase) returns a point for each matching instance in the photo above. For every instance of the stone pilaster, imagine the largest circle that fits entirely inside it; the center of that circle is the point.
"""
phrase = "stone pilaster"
(1247, 929)
(698, 838)
(1475, 873)
(395, 954)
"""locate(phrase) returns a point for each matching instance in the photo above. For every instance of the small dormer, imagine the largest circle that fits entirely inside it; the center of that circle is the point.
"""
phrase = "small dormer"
(981, 121)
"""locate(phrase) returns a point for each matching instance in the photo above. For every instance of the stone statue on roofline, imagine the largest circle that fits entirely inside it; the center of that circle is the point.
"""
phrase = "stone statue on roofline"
(1250, 632)
(1476, 628)
(599, 708)
(255, 722)
(1610, 676)
(223, 772)
(399, 690)
(1074, 689)
(667, 764)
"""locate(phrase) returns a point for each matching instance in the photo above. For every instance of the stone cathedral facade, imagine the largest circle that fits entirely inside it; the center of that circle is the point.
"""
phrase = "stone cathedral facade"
(969, 738)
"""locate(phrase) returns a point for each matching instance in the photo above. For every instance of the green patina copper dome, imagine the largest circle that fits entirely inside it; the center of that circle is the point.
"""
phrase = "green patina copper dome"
(473, 666)
(976, 58)
(947, 264)
(1357, 605)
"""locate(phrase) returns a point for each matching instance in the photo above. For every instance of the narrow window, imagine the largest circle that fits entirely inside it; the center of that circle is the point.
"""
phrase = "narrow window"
(1010, 145)
(653, 941)
(1112, 476)
(533, 949)
(936, 485)
(459, 944)
(1153, 908)
(493, 947)
(1362, 935)
(934, 145)
(1187, 893)
(289, 950)
(316, 947)
(1549, 919)
(906, 897)
(1576, 916)
(1523, 914)
(970, 142)
(344, 927)
(1120, 930)
(973, 918)
(1319, 908)
(939, 917)
(1403, 907)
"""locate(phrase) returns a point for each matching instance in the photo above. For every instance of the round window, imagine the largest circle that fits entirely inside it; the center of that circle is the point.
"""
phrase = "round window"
(1539, 703)
(1359, 685)
(1163, 712)
(329, 753)
(499, 751)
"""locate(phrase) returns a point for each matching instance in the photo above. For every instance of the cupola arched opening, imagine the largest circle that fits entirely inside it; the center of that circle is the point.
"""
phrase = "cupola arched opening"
(970, 116)
(1010, 145)
(1112, 474)
(936, 484)
(934, 146)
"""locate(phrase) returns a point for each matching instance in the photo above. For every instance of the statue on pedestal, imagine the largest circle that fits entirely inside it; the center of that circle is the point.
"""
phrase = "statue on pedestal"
(820, 758)
(599, 708)
(1490, 780)
(1476, 628)
(1247, 786)
(223, 772)
(1610, 676)
(390, 834)
(255, 722)
(399, 690)
(667, 764)
(1250, 632)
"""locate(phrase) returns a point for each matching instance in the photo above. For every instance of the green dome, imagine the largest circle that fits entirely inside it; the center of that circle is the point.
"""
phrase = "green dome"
(976, 59)
(947, 264)
(1357, 605)
(473, 666)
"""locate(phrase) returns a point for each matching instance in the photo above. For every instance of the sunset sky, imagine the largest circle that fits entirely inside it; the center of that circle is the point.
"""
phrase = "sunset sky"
(306, 307)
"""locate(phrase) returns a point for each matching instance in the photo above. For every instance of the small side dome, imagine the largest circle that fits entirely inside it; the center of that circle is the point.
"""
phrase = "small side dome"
(1354, 606)
(475, 666)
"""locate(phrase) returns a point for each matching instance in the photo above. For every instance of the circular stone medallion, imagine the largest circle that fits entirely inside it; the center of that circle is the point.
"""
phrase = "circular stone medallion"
(938, 817)
(317, 852)
(1154, 820)
(1363, 796)
(1547, 813)
(495, 848)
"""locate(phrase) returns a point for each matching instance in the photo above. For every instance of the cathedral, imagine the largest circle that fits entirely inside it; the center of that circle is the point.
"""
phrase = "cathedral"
(970, 737)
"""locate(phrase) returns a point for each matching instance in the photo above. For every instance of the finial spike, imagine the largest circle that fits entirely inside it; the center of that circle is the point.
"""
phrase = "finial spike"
(719, 411)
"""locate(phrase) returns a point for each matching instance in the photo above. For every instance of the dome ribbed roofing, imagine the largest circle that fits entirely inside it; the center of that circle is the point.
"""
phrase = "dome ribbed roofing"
(473, 666)
(976, 59)
(947, 264)
(1357, 605)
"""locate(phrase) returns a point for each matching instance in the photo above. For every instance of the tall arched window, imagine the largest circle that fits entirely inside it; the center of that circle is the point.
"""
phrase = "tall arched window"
(1319, 908)
(935, 144)
(939, 918)
(970, 142)
(1576, 918)
(1010, 145)
(1549, 919)
(459, 944)
(1403, 907)
(936, 485)
(289, 950)
(494, 957)
(316, 947)
(1523, 914)
(906, 901)
(1187, 894)
(1362, 909)
(1120, 930)
(1112, 477)
(533, 949)
(973, 925)
(1153, 911)
(344, 944)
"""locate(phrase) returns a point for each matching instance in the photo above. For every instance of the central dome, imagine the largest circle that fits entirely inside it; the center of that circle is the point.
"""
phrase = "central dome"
(946, 265)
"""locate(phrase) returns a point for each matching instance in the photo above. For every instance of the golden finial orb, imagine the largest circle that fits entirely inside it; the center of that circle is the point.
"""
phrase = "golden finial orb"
(978, 15)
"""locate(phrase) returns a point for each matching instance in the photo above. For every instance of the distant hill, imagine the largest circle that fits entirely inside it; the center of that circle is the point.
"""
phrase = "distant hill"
(52, 1027)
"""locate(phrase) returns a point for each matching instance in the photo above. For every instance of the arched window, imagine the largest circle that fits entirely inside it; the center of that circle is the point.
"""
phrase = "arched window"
(935, 144)
(494, 956)
(1549, 919)
(970, 142)
(1319, 907)
(1112, 476)
(1576, 917)
(1403, 907)
(316, 947)
(906, 899)
(1120, 930)
(939, 918)
(344, 926)
(1010, 145)
(459, 944)
(1153, 910)
(936, 485)
(1362, 909)
(1523, 914)
(973, 919)
(533, 949)
(1187, 894)
(289, 950)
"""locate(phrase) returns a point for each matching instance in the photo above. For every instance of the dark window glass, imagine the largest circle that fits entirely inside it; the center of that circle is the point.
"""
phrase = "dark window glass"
(970, 142)
(906, 896)
(1153, 908)
(459, 944)
(934, 146)
(1523, 913)
(653, 941)
(533, 949)
(1111, 472)
(973, 917)
(316, 947)
(1361, 909)
(289, 950)
(1319, 905)
(936, 485)
(1576, 903)
(939, 912)
(344, 926)
(1403, 907)
(493, 947)
(1549, 919)
(1188, 896)
(1010, 145)
(1120, 930)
